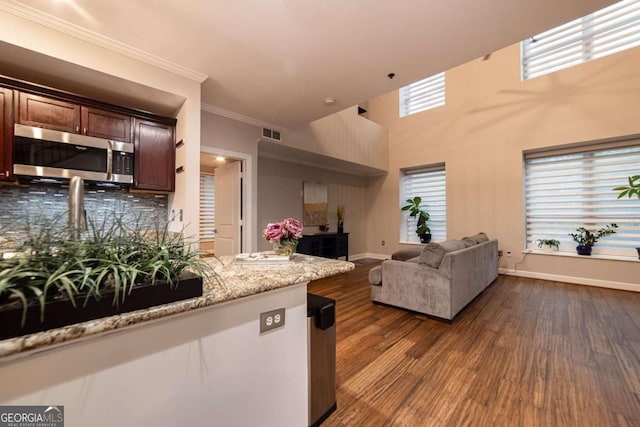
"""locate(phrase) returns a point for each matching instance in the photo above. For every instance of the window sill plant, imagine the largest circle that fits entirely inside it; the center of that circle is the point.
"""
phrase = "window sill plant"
(422, 230)
(633, 189)
(551, 244)
(587, 238)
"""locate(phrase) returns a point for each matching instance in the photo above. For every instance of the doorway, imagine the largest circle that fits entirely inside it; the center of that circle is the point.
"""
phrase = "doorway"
(221, 205)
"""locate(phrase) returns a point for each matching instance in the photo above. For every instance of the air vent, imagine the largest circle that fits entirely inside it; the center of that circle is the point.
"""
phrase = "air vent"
(273, 135)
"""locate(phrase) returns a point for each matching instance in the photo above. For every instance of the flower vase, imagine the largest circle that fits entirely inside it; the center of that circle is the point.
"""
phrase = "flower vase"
(285, 247)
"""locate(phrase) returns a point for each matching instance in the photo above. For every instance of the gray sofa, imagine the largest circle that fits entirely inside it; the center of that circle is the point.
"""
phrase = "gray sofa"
(441, 278)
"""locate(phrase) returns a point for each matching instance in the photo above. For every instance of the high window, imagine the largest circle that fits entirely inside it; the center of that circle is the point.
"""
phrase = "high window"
(428, 182)
(601, 33)
(207, 207)
(573, 187)
(422, 95)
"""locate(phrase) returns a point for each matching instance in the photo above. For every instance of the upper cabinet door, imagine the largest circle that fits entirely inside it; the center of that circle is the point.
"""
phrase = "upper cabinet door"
(154, 145)
(105, 124)
(6, 132)
(48, 113)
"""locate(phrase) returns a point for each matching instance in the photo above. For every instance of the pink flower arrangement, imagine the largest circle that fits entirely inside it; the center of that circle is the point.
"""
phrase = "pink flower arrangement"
(289, 230)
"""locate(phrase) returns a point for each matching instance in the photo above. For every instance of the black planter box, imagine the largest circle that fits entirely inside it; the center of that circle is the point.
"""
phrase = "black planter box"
(60, 312)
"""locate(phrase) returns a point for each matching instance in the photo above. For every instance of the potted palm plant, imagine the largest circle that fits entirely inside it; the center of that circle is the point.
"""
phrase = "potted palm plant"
(633, 189)
(587, 238)
(422, 229)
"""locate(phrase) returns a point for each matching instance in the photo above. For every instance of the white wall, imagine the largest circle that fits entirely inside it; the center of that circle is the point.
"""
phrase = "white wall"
(489, 119)
(280, 186)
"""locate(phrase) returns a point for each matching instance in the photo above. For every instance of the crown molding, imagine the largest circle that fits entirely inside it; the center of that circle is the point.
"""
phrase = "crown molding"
(241, 118)
(34, 15)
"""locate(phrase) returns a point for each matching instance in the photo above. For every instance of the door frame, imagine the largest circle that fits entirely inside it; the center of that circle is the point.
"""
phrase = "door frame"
(249, 220)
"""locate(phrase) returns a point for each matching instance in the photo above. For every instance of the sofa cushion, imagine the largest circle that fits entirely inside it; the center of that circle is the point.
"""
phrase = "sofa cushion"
(405, 254)
(375, 275)
(432, 255)
(468, 242)
(415, 259)
(478, 238)
(452, 245)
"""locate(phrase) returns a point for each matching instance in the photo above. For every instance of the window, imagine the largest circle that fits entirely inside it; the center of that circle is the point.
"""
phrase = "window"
(573, 187)
(207, 207)
(609, 30)
(422, 95)
(428, 182)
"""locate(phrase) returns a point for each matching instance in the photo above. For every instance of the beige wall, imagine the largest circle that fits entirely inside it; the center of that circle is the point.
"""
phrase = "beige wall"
(489, 118)
(280, 196)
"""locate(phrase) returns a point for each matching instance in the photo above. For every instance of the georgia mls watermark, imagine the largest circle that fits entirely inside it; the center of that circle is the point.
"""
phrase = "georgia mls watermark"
(31, 416)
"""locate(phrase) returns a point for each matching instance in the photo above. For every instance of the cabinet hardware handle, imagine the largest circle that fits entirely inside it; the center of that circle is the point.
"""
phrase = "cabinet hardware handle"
(85, 131)
(77, 129)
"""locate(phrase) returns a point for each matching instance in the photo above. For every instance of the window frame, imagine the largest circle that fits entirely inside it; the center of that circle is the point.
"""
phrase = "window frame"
(438, 220)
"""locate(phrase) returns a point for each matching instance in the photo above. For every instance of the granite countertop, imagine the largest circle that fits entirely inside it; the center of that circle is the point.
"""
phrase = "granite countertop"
(234, 281)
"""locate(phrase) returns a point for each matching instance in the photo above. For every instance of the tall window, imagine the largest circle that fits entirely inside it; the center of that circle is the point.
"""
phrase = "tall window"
(207, 207)
(601, 33)
(422, 95)
(573, 187)
(428, 182)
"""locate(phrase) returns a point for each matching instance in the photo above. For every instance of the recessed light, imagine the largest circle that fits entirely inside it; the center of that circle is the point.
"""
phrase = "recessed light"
(329, 101)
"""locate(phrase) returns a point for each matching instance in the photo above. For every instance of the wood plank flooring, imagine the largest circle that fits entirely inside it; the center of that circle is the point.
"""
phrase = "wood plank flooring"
(524, 353)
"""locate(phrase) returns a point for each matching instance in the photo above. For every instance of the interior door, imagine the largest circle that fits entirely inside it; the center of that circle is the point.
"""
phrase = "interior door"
(228, 221)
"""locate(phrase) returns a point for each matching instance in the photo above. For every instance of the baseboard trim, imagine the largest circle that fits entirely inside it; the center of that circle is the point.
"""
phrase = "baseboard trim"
(368, 255)
(624, 286)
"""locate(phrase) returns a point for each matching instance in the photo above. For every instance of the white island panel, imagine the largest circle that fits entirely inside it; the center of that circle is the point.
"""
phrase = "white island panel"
(206, 367)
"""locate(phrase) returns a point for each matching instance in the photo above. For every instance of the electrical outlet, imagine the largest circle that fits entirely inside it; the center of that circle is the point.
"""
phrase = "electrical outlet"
(382, 242)
(271, 320)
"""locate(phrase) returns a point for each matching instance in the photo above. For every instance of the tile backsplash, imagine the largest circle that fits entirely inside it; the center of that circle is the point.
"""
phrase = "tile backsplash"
(30, 201)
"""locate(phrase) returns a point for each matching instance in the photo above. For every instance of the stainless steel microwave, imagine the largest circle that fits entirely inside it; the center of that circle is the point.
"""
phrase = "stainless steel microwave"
(54, 154)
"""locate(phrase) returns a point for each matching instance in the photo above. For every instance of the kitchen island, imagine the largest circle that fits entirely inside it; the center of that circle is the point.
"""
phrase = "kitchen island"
(195, 362)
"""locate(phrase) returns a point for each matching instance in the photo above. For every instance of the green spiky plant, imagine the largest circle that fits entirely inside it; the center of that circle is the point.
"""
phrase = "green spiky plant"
(52, 263)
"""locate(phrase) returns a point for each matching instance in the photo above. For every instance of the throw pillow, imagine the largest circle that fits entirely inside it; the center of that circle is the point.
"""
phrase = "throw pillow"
(452, 245)
(468, 242)
(479, 238)
(432, 255)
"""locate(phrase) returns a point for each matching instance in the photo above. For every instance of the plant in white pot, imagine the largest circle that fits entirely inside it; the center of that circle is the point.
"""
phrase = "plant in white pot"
(422, 229)
(587, 238)
(633, 189)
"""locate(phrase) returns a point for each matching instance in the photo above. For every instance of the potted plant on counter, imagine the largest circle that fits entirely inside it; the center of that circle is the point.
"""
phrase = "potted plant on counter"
(422, 229)
(587, 238)
(633, 189)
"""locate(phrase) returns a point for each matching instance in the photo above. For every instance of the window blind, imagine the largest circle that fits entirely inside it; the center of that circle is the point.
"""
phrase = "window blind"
(207, 207)
(422, 95)
(567, 189)
(601, 33)
(430, 184)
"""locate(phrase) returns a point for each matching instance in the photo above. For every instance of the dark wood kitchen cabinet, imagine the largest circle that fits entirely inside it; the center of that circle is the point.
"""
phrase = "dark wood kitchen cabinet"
(6, 132)
(51, 113)
(154, 163)
(105, 124)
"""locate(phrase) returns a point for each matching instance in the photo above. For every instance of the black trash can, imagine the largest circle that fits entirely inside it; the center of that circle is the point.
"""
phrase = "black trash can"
(321, 350)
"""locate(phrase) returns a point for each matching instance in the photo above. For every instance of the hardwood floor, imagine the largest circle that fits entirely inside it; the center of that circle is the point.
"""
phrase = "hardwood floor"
(524, 353)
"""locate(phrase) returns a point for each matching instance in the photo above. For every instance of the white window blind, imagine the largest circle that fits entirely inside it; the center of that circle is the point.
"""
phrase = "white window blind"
(207, 207)
(430, 184)
(601, 33)
(570, 188)
(422, 95)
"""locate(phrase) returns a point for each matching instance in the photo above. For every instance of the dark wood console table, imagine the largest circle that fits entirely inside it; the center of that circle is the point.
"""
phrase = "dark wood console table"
(326, 245)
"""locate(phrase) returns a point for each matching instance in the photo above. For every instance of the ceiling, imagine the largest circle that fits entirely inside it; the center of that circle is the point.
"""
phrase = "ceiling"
(276, 61)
